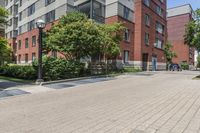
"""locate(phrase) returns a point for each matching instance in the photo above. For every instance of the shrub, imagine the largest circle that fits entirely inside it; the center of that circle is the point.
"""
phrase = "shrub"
(185, 66)
(131, 69)
(18, 71)
(59, 68)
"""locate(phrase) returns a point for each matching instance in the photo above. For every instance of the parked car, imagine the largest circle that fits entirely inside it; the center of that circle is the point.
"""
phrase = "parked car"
(175, 67)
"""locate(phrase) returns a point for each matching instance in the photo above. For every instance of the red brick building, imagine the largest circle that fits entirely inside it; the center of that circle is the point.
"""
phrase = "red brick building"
(150, 33)
(144, 37)
(177, 19)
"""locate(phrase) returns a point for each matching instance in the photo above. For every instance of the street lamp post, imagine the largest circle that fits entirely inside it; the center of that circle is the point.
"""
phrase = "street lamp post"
(40, 25)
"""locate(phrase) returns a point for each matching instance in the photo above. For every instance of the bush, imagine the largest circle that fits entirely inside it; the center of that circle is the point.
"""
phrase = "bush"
(131, 69)
(18, 71)
(59, 68)
(185, 66)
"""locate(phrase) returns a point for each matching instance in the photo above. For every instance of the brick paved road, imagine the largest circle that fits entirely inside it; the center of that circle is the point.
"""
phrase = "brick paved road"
(165, 102)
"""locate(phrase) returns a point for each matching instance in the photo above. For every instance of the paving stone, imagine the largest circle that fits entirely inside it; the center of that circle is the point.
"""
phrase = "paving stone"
(165, 102)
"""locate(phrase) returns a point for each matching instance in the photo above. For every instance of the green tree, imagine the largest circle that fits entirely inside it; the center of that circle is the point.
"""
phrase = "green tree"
(169, 54)
(3, 16)
(192, 34)
(198, 61)
(75, 37)
(5, 51)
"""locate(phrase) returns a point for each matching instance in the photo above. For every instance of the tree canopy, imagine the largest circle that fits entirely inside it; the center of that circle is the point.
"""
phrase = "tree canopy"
(3, 16)
(5, 51)
(169, 54)
(192, 34)
(76, 36)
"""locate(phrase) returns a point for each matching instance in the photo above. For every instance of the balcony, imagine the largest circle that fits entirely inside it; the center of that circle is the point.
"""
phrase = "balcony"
(93, 9)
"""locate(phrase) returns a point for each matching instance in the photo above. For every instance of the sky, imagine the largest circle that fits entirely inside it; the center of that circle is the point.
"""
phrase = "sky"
(194, 3)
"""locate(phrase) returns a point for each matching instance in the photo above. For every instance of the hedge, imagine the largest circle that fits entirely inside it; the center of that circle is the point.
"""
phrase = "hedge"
(59, 68)
(18, 71)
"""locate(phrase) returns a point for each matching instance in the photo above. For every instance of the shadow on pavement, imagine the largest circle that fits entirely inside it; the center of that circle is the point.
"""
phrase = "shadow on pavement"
(15, 92)
(8, 84)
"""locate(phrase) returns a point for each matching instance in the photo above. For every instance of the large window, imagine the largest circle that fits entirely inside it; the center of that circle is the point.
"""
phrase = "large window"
(31, 9)
(160, 28)
(97, 13)
(6, 2)
(126, 56)
(125, 12)
(85, 8)
(26, 43)
(50, 16)
(26, 58)
(47, 2)
(159, 43)
(33, 56)
(147, 20)
(19, 44)
(19, 59)
(20, 2)
(31, 25)
(147, 38)
(54, 54)
(159, 11)
(127, 35)
(20, 30)
(147, 2)
(33, 41)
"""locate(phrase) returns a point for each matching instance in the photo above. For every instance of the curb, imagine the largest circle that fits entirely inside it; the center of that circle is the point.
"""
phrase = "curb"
(73, 79)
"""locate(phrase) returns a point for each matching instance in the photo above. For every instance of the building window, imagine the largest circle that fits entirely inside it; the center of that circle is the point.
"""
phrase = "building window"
(20, 16)
(26, 43)
(31, 9)
(20, 30)
(127, 35)
(50, 16)
(147, 20)
(162, 1)
(85, 8)
(160, 28)
(11, 10)
(33, 41)
(54, 54)
(31, 25)
(11, 34)
(126, 12)
(26, 58)
(47, 2)
(20, 2)
(10, 22)
(159, 43)
(147, 38)
(19, 44)
(19, 59)
(33, 56)
(147, 2)
(98, 12)
(126, 56)
(6, 2)
(159, 11)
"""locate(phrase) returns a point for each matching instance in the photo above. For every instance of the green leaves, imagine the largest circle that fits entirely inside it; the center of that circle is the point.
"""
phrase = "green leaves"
(3, 16)
(192, 34)
(75, 37)
(169, 54)
(5, 51)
